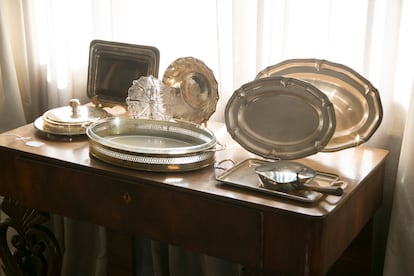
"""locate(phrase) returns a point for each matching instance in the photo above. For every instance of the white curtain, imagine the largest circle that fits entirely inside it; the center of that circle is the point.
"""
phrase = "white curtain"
(11, 66)
(44, 48)
(401, 238)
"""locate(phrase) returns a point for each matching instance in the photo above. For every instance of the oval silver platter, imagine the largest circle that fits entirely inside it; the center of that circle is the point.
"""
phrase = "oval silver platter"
(280, 118)
(152, 145)
(357, 103)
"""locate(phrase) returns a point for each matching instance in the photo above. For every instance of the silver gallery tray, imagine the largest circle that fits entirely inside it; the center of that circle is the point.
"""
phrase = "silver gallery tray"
(278, 117)
(243, 175)
(152, 145)
(358, 108)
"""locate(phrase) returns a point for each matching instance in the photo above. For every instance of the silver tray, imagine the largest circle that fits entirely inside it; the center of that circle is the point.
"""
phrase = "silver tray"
(194, 89)
(357, 103)
(114, 65)
(243, 175)
(152, 145)
(280, 117)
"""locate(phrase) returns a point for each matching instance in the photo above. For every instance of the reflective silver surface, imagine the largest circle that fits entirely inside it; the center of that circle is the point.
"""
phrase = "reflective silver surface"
(243, 175)
(288, 175)
(69, 120)
(194, 89)
(152, 145)
(283, 172)
(60, 130)
(279, 117)
(65, 116)
(357, 103)
(114, 65)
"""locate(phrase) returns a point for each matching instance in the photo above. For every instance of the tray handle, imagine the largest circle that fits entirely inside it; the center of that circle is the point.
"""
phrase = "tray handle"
(218, 165)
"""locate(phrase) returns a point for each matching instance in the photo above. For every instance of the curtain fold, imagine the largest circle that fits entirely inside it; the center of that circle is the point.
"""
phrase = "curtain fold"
(44, 47)
(12, 68)
(401, 235)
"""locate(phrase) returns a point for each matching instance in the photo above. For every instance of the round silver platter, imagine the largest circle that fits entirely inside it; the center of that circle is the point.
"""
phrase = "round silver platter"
(194, 89)
(152, 145)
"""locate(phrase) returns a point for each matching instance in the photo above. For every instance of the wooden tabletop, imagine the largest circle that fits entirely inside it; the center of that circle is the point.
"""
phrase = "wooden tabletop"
(61, 177)
(352, 165)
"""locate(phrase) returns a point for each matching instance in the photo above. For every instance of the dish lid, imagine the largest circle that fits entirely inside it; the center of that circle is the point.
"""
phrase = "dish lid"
(280, 118)
(74, 114)
(194, 89)
(114, 65)
(357, 103)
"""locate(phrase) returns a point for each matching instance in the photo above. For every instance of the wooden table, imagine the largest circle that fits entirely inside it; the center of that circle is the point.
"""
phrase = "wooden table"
(192, 209)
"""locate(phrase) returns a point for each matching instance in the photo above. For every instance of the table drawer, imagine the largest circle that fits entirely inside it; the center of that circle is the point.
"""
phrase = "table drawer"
(193, 220)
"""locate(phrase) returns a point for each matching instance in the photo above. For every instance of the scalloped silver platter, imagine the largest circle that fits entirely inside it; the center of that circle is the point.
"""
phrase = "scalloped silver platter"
(357, 103)
(280, 118)
(194, 89)
(152, 145)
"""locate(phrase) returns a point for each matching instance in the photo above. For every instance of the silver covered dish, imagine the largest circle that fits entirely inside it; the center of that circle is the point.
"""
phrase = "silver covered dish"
(69, 120)
(357, 103)
(152, 145)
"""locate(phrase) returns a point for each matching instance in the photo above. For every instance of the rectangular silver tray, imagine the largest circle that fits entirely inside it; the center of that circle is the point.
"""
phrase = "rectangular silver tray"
(243, 175)
(114, 65)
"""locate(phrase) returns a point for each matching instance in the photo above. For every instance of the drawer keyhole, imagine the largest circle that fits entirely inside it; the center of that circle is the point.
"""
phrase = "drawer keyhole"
(127, 197)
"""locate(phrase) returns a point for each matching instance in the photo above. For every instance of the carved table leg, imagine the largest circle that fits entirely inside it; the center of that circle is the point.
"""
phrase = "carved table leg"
(32, 249)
